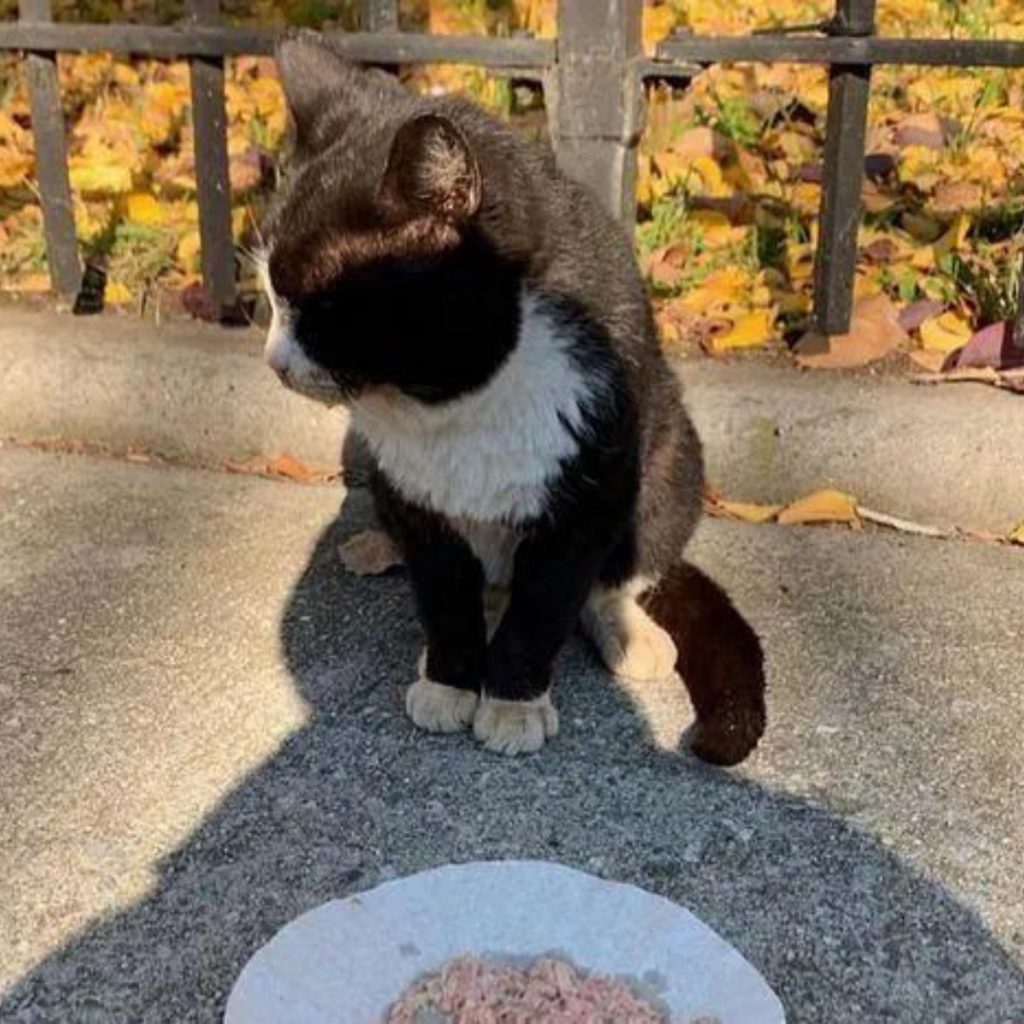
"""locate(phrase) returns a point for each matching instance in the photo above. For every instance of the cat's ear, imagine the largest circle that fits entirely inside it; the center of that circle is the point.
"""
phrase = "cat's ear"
(431, 169)
(315, 80)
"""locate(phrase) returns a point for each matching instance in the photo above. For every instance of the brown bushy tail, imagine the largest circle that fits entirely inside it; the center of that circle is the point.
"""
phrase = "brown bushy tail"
(720, 660)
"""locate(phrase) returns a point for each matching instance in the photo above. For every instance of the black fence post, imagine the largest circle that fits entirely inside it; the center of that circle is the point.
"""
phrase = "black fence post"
(835, 265)
(1018, 329)
(378, 15)
(51, 147)
(597, 97)
(213, 184)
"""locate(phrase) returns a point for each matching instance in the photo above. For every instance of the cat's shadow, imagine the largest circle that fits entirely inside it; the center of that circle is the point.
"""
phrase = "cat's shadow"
(833, 920)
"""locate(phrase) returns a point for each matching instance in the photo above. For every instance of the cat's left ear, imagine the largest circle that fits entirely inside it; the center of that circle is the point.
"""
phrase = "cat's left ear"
(431, 169)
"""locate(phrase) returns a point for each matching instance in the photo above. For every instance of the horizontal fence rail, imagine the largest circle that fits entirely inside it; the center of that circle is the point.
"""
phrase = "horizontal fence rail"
(232, 41)
(771, 49)
(592, 76)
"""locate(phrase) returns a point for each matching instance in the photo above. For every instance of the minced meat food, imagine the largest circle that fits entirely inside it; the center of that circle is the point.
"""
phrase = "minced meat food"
(473, 991)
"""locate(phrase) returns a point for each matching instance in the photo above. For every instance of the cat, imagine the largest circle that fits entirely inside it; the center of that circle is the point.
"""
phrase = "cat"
(484, 321)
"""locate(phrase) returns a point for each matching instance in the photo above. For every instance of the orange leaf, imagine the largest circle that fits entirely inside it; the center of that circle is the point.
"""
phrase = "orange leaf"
(874, 332)
(747, 512)
(287, 466)
(824, 506)
(283, 466)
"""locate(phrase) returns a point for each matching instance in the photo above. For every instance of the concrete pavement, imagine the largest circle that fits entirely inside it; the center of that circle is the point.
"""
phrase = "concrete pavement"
(202, 736)
(951, 455)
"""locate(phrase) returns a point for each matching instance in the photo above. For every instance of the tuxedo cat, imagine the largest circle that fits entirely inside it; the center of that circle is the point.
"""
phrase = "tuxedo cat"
(484, 321)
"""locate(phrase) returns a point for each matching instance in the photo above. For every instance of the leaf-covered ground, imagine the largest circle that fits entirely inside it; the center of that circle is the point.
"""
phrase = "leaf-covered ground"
(729, 185)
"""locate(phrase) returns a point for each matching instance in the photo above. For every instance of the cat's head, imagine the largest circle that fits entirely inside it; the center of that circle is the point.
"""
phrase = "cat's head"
(384, 261)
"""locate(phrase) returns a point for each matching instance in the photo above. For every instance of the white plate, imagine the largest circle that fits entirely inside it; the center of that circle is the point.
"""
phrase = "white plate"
(348, 961)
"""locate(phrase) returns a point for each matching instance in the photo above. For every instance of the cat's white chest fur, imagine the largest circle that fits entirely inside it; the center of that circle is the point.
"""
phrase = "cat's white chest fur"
(491, 455)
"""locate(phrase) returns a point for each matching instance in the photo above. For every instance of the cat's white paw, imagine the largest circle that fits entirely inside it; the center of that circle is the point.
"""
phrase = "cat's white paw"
(439, 708)
(630, 642)
(514, 726)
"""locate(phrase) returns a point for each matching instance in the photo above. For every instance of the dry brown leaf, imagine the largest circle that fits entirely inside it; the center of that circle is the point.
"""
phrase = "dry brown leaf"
(704, 141)
(369, 553)
(665, 265)
(923, 129)
(874, 332)
(824, 506)
(928, 359)
(954, 196)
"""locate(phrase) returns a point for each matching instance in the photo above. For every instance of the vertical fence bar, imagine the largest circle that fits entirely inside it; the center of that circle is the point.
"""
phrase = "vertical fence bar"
(213, 184)
(48, 130)
(835, 265)
(379, 15)
(596, 97)
(1018, 329)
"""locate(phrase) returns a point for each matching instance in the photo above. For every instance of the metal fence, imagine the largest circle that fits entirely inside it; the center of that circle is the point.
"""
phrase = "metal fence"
(593, 77)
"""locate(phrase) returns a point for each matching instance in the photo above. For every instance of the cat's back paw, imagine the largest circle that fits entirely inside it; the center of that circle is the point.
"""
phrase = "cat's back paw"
(631, 644)
(435, 707)
(514, 726)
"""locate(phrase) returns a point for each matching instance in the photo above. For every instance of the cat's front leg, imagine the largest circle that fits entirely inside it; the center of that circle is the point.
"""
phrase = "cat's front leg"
(553, 574)
(448, 585)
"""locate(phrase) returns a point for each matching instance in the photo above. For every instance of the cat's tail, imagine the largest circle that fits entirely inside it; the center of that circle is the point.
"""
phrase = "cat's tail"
(719, 658)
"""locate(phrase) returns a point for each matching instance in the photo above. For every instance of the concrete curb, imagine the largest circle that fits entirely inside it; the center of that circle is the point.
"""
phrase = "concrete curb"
(186, 390)
(948, 456)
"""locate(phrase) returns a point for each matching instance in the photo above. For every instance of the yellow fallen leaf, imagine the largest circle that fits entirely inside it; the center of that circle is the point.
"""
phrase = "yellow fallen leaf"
(645, 187)
(716, 229)
(188, 250)
(143, 208)
(91, 220)
(710, 176)
(751, 330)
(953, 239)
(824, 506)
(658, 22)
(1016, 535)
(748, 512)
(866, 287)
(101, 177)
(14, 167)
(117, 293)
(708, 220)
(697, 174)
(719, 290)
(945, 333)
(125, 74)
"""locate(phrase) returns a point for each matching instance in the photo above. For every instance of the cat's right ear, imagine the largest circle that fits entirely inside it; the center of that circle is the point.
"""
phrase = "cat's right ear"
(313, 77)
